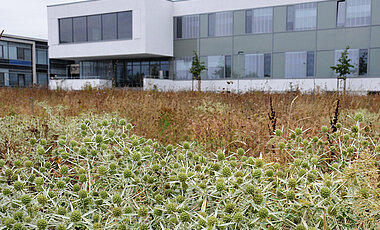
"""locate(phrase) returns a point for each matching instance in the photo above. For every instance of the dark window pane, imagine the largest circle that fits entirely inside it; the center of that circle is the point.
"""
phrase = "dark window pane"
(228, 66)
(28, 80)
(42, 79)
(13, 79)
(21, 80)
(290, 18)
(109, 27)
(66, 30)
(248, 21)
(310, 64)
(2, 80)
(80, 29)
(94, 28)
(1, 52)
(179, 27)
(363, 62)
(27, 54)
(42, 57)
(20, 53)
(341, 14)
(124, 25)
(211, 25)
(267, 65)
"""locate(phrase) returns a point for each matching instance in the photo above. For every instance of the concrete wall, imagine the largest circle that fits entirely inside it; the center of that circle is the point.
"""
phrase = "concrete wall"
(79, 84)
(356, 85)
(151, 30)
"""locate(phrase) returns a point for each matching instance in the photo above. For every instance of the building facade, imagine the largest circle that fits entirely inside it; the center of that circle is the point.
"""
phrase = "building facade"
(266, 45)
(23, 62)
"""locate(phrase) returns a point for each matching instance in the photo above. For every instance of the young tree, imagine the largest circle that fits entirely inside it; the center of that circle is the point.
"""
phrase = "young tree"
(196, 69)
(343, 68)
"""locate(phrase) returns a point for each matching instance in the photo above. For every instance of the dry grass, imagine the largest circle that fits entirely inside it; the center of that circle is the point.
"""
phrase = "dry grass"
(215, 120)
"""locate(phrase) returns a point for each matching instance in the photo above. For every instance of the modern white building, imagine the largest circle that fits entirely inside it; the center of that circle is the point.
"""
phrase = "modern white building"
(246, 45)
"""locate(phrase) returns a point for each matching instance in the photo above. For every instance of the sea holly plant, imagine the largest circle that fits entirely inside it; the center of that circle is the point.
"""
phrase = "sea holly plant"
(103, 176)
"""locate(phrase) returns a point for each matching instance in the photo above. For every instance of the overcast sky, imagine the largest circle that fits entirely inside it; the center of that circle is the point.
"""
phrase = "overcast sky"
(26, 17)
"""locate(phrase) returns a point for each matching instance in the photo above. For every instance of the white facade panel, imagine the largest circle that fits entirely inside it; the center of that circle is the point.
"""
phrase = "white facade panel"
(151, 30)
(207, 6)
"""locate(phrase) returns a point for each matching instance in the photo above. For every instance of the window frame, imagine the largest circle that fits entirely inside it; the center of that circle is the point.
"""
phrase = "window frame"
(87, 29)
(294, 21)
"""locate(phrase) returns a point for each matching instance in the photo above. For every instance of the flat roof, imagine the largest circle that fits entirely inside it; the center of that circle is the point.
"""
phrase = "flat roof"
(23, 38)
(71, 3)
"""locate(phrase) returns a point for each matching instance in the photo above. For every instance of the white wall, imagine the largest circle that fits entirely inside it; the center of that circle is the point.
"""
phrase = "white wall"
(359, 85)
(206, 6)
(146, 42)
(79, 84)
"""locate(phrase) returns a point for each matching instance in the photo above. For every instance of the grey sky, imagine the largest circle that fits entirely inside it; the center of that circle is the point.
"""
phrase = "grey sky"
(26, 17)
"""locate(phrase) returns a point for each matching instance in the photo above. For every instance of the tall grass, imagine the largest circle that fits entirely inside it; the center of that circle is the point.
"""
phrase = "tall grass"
(213, 119)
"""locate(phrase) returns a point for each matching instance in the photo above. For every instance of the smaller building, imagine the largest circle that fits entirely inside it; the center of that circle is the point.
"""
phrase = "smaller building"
(24, 61)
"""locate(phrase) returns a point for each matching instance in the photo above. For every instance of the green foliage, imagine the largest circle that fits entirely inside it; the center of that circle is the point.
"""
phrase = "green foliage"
(134, 183)
(343, 68)
(197, 67)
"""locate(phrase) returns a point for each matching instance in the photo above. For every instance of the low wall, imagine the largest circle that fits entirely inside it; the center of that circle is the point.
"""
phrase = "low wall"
(357, 85)
(79, 84)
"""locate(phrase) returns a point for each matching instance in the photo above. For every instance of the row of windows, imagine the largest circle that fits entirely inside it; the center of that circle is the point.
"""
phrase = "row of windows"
(22, 79)
(102, 27)
(297, 65)
(22, 52)
(350, 13)
(16, 51)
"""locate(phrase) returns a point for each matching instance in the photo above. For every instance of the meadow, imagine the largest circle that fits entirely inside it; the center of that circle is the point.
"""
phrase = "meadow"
(118, 159)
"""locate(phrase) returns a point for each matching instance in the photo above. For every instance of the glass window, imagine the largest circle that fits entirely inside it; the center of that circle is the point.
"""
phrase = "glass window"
(20, 53)
(94, 28)
(295, 64)
(248, 21)
(363, 62)
(179, 27)
(358, 12)
(42, 79)
(109, 26)
(1, 52)
(302, 17)
(183, 66)
(21, 80)
(27, 54)
(124, 25)
(254, 65)
(80, 29)
(262, 20)
(42, 57)
(28, 80)
(165, 67)
(12, 52)
(211, 25)
(66, 30)
(13, 79)
(216, 67)
(341, 14)
(228, 66)
(353, 54)
(188, 27)
(310, 63)
(2, 79)
(267, 65)
(221, 24)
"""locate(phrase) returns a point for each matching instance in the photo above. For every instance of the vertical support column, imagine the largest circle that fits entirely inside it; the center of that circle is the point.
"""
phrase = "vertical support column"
(34, 63)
